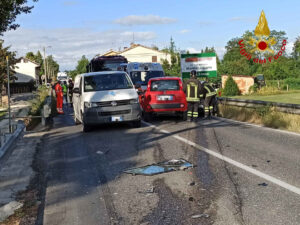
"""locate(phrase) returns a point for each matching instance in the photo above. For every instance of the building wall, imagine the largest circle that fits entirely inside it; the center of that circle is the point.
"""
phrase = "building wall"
(26, 71)
(141, 54)
(243, 82)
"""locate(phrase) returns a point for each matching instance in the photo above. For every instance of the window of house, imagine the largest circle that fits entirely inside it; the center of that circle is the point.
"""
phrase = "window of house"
(154, 58)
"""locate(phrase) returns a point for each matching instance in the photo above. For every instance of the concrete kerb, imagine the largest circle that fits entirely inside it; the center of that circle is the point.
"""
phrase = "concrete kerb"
(11, 139)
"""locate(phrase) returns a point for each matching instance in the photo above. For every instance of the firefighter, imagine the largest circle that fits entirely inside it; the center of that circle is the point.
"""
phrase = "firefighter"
(192, 91)
(209, 95)
(59, 97)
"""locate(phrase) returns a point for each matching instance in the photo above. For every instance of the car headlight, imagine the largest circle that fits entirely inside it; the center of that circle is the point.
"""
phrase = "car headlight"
(90, 104)
(134, 101)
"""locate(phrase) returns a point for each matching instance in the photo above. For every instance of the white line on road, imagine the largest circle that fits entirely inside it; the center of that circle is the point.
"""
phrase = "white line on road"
(232, 162)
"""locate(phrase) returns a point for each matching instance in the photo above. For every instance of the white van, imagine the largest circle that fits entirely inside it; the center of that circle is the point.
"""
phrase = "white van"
(141, 73)
(105, 97)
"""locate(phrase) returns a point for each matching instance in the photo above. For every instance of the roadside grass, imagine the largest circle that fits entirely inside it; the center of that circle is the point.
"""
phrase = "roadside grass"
(37, 105)
(292, 97)
(265, 115)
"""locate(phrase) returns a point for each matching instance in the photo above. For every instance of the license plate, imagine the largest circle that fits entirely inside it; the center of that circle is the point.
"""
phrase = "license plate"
(116, 118)
(165, 97)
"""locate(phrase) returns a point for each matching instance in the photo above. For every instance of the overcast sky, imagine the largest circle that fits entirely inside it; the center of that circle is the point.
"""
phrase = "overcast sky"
(89, 27)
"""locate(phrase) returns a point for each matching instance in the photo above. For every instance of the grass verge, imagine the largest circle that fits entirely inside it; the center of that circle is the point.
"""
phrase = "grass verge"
(284, 97)
(265, 115)
(36, 108)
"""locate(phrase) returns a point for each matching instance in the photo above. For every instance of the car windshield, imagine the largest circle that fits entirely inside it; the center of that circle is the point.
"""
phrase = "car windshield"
(164, 85)
(107, 82)
(142, 77)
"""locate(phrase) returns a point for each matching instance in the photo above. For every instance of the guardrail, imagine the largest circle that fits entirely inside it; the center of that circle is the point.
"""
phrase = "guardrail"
(7, 139)
(282, 107)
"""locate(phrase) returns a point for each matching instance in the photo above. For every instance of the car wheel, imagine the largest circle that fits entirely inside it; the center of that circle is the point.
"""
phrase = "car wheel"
(184, 116)
(136, 124)
(147, 116)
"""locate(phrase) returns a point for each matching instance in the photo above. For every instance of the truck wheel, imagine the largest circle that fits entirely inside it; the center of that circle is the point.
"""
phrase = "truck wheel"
(184, 116)
(136, 124)
(147, 116)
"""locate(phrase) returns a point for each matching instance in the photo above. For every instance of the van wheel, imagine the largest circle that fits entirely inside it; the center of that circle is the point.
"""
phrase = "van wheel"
(136, 124)
(184, 116)
(147, 116)
(86, 128)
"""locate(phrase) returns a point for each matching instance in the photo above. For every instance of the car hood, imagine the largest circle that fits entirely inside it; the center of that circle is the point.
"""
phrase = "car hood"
(110, 95)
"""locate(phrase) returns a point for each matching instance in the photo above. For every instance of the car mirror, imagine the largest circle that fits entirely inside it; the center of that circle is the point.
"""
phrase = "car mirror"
(76, 90)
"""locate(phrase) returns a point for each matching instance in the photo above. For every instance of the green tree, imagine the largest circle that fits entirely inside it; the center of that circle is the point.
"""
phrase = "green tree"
(172, 68)
(9, 10)
(4, 52)
(81, 65)
(231, 88)
(296, 49)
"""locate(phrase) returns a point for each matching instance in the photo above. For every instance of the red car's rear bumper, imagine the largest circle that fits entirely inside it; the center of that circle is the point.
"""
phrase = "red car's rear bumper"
(166, 107)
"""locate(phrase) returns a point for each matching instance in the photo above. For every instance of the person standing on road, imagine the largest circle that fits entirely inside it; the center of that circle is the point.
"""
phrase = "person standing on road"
(65, 91)
(191, 89)
(59, 97)
(70, 91)
(209, 95)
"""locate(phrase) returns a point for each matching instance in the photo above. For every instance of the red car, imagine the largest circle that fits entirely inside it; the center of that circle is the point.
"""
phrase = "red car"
(164, 95)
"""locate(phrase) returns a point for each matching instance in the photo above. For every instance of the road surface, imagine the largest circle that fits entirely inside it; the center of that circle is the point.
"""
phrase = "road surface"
(243, 175)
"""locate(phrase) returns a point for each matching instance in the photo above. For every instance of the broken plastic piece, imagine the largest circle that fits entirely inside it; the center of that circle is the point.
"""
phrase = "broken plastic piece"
(161, 167)
(263, 184)
(200, 216)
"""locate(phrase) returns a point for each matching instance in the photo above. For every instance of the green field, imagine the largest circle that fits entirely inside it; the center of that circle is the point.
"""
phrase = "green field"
(291, 98)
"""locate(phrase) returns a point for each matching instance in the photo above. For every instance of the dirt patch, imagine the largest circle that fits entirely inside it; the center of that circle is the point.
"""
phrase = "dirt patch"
(33, 197)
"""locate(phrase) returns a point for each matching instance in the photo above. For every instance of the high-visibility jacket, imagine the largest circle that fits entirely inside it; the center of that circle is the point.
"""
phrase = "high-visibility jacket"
(65, 89)
(191, 89)
(207, 90)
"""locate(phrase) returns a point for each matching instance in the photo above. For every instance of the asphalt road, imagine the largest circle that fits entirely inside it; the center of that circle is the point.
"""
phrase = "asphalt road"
(86, 183)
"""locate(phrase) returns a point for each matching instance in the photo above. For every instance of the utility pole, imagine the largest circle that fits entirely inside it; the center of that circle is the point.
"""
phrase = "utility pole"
(45, 68)
(8, 95)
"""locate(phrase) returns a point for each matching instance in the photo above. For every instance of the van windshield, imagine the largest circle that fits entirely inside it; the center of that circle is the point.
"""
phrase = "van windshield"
(107, 82)
(142, 77)
(165, 85)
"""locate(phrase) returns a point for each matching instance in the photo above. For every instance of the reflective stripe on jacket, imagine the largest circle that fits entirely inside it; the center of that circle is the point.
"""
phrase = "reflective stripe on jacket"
(191, 89)
(210, 91)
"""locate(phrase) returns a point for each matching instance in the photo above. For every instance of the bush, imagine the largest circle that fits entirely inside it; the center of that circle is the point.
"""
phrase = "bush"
(253, 88)
(293, 83)
(231, 88)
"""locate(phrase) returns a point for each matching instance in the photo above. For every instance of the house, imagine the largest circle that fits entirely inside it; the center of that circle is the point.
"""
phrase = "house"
(244, 82)
(141, 53)
(27, 76)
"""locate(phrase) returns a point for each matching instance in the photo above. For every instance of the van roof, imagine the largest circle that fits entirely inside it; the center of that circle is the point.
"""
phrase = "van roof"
(101, 73)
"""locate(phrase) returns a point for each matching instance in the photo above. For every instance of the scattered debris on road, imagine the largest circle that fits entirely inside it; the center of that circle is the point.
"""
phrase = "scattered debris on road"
(148, 191)
(192, 183)
(200, 216)
(263, 184)
(161, 167)
(101, 152)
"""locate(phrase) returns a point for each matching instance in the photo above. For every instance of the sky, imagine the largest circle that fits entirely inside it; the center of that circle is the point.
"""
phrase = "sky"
(72, 28)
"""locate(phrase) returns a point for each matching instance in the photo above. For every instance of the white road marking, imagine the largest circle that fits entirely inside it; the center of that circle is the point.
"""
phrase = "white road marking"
(231, 161)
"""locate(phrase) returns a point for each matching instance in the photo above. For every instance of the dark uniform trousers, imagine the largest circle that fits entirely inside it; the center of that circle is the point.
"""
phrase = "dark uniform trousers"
(209, 103)
(193, 109)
